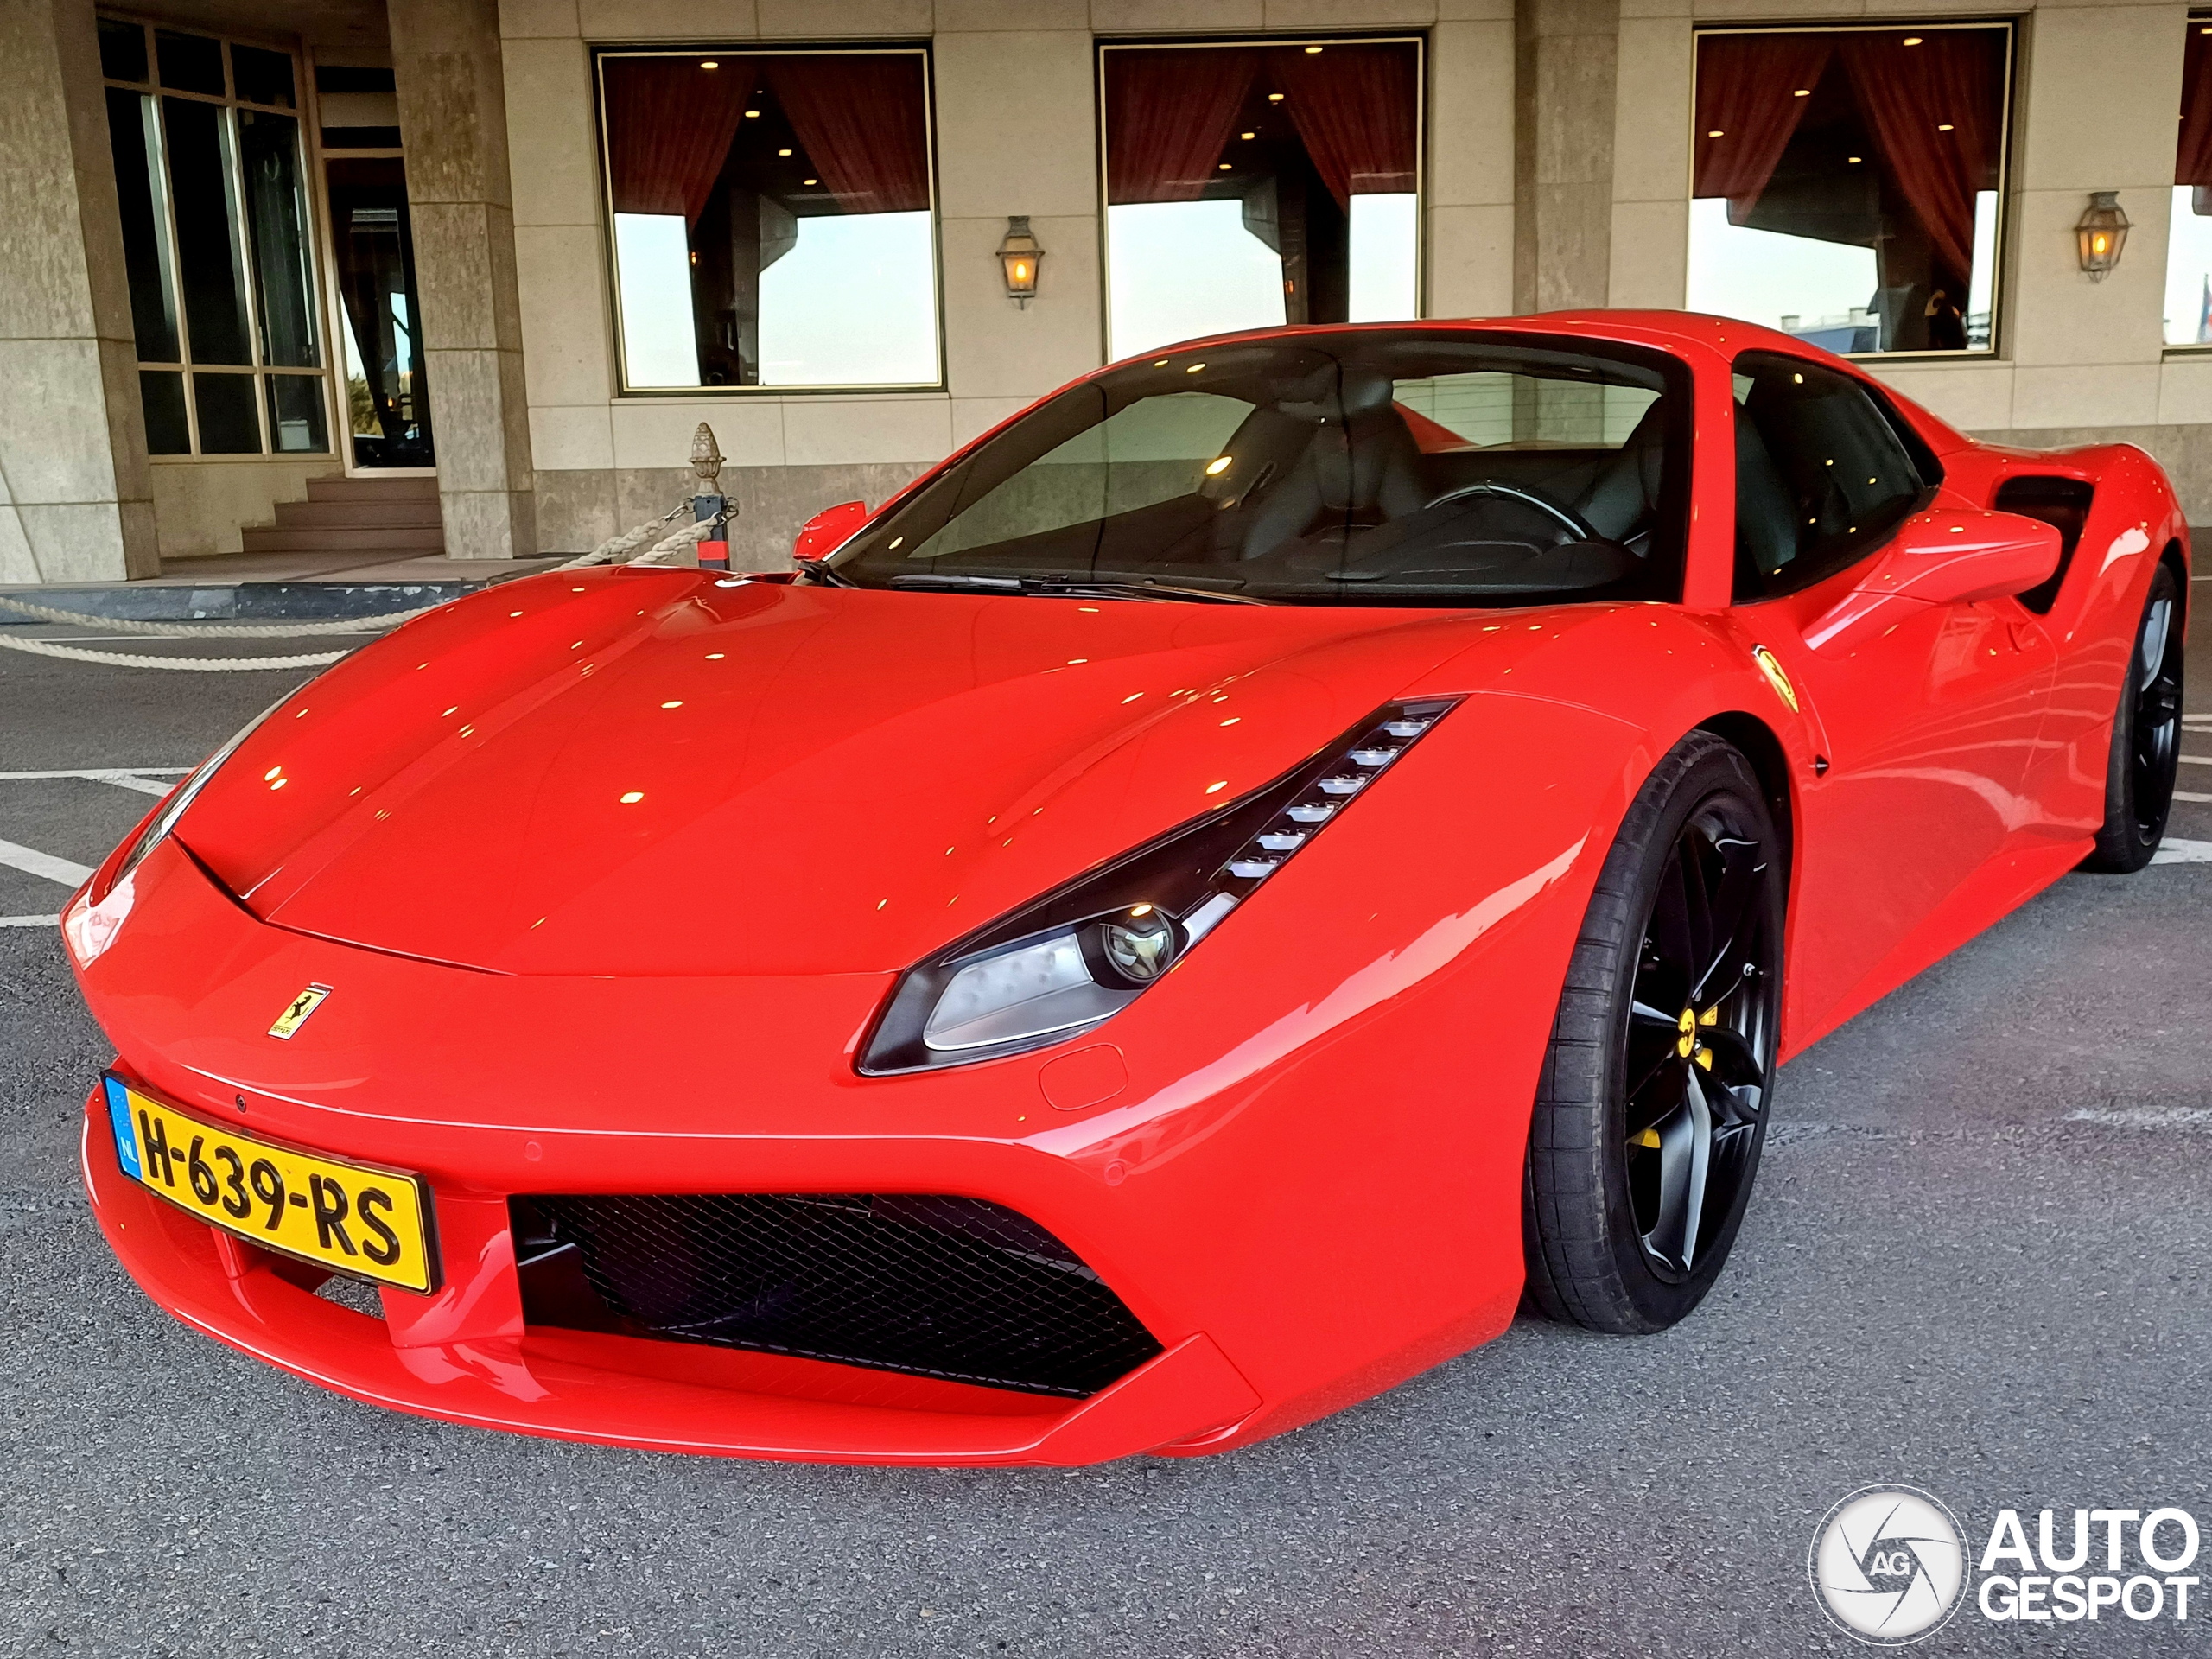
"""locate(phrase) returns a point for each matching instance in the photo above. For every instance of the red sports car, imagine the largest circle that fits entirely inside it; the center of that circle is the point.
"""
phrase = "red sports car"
(1191, 914)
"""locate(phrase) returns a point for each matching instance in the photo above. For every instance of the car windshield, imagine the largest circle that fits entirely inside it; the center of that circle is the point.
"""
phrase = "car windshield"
(1390, 466)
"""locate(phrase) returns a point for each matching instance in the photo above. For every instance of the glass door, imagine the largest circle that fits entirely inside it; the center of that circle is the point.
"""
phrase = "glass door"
(387, 398)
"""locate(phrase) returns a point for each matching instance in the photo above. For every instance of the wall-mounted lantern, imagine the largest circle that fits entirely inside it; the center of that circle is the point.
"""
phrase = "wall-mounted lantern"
(1020, 256)
(2101, 233)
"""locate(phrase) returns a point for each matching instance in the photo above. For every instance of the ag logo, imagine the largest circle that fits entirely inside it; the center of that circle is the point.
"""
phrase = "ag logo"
(1887, 1565)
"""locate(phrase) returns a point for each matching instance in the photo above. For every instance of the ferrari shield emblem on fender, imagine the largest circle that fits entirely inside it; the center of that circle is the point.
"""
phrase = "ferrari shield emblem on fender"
(296, 1011)
(1775, 677)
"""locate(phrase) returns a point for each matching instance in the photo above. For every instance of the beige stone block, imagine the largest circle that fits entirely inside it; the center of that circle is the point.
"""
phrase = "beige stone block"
(962, 17)
(1313, 15)
(1651, 117)
(465, 413)
(704, 21)
(973, 416)
(1470, 261)
(576, 510)
(567, 334)
(2103, 90)
(2095, 395)
(994, 348)
(17, 562)
(651, 433)
(2056, 313)
(549, 101)
(571, 440)
(1470, 114)
(200, 505)
(453, 254)
(2185, 388)
(1778, 10)
(537, 19)
(838, 431)
(488, 524)
(1655, 7)
(1650, 262)
(126, 423)
(889, 20)
(1176, 17)
(54, 439)
(772, 502)
(1017, 126)
(1971, 395)
(79, 541)
(45, 287)
(646, 494)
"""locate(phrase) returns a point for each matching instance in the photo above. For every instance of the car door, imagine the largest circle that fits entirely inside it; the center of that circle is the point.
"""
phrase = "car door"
(1928, 730)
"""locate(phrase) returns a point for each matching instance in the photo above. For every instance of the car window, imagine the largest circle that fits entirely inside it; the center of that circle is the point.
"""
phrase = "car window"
(1373, 466)
(1822, 477)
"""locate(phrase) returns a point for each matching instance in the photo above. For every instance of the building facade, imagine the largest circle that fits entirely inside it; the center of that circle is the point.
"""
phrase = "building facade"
(515, 253)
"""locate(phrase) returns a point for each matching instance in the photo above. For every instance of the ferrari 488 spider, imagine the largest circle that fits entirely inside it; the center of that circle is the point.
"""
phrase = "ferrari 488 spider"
(1282, 853)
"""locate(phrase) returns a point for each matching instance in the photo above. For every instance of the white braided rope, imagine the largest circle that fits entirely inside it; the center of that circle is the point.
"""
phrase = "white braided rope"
(614, 548)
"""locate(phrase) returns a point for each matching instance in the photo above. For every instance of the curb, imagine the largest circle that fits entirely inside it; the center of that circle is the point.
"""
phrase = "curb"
(243, 602)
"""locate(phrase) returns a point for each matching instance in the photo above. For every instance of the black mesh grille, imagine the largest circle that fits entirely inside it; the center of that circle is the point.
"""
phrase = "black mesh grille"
(940, 1286)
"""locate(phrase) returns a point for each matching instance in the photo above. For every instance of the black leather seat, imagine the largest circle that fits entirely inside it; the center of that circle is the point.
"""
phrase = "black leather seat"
(1625, 492)
(1361, 466)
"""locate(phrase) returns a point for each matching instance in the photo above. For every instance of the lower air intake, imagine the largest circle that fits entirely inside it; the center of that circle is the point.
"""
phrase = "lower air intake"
(938, 1287)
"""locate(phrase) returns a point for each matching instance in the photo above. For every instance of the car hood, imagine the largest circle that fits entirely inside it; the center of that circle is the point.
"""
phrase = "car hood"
(654, 773)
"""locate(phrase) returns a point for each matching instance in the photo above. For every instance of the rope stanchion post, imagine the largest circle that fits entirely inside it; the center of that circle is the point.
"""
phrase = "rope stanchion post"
(709, 505)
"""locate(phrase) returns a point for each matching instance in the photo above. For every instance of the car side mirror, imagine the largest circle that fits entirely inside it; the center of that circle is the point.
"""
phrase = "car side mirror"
(1939, 557)
(829, 530)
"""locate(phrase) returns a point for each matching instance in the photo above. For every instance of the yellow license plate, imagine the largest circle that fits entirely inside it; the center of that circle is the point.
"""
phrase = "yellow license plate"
(372, 1223)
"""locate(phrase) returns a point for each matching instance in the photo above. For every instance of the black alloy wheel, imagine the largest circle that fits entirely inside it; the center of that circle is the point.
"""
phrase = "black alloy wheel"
(2146, 734)
(1654, 1101)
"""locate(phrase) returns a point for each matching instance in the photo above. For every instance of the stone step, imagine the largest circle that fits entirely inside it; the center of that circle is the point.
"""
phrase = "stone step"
(341, 538)
(336, 488)
(408, 510)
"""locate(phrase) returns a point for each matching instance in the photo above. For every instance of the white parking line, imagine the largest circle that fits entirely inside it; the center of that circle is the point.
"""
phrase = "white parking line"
(2175, 850)
(31, 861)
(2184, 795)
(30, 921)
(99, 774)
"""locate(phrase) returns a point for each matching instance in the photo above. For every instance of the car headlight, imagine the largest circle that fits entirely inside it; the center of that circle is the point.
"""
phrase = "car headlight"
(159, 826)
(1083, 952)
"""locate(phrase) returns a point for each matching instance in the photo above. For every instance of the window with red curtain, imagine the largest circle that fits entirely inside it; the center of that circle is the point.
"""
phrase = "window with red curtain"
(1848, 183)
(1251, 184)
(2189, 241)
(771, 215)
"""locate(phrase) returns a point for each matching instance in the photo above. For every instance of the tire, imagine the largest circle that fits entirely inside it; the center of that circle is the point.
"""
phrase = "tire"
(2139, 773)
(1659, 1080)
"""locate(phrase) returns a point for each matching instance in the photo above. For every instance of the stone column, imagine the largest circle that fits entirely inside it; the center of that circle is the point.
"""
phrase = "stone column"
(453, 119)
(1566, 58)
(76, 500)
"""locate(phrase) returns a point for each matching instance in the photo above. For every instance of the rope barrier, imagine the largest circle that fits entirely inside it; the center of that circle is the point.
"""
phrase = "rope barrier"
(614, 548)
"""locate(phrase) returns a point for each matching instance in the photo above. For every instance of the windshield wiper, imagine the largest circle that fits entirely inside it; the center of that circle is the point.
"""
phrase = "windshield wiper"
(823, 571)
(1081, 587)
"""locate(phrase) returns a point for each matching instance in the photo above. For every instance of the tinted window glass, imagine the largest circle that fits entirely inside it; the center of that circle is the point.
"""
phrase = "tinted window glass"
(1821, 477)
(1393, 467)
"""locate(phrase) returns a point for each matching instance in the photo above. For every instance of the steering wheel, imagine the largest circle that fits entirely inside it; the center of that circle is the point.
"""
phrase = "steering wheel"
(1577, 528)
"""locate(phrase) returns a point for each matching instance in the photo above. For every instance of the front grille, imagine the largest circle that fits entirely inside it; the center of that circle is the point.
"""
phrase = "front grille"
(938, 1287)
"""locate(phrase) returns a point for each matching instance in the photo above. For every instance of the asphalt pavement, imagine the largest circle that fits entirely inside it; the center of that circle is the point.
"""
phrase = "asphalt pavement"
(1976, 1261)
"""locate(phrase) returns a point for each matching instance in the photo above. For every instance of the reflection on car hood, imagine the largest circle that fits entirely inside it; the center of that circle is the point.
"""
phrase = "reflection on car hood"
(647, 773)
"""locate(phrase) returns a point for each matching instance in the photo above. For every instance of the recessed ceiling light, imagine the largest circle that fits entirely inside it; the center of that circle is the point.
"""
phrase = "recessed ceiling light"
(1912, 40)
(782, 152)
(710, 64)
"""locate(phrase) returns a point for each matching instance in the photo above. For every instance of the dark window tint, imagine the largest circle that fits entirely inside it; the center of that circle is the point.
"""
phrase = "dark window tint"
(262, 77)
(207, 231)
(1821, 477)
(146, 265)
(123, 49)
(269, 156)
(229, 422)
(190, 63)
(162, 391)
(296, 423)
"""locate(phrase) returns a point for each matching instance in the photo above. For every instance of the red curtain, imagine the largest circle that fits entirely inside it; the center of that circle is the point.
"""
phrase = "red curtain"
(1354, 106)
(2193, 162)
(860, 120)
(1933, 111)
(1169, 113)
(1747, 87)
(668, 127)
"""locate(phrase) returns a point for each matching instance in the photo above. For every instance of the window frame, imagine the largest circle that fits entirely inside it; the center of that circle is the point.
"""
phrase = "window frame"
(620, 365)
(301, 114)
(2199, 17)
(1418, 39)
(2008, 113)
